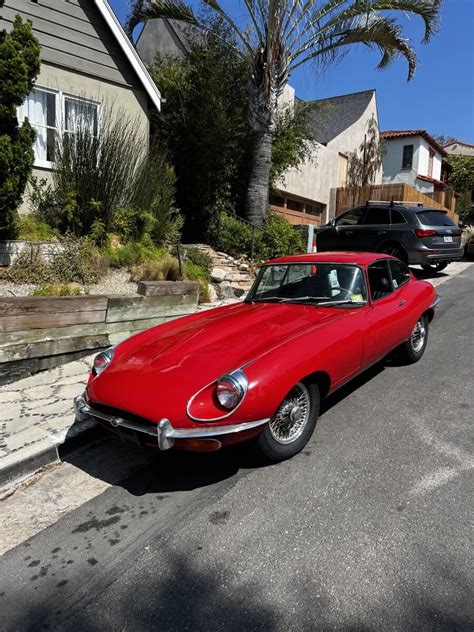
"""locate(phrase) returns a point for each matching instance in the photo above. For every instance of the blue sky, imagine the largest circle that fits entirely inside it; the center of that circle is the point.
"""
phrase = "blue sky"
(439, 99)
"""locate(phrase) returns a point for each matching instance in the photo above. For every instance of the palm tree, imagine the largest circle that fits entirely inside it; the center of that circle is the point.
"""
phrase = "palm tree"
(285, 34)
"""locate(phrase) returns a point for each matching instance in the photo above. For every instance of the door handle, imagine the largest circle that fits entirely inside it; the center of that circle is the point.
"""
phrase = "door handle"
(401, 303)
(381, 232)
(349, 232)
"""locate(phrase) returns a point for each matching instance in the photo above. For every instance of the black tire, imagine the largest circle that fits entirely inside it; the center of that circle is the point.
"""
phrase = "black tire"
(413, 349)
(394, 251)
(269, 446)
(435, 267)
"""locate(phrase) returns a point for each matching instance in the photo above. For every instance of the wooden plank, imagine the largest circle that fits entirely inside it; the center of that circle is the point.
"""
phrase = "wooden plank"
(149, 311)
(45, 348)
(36, 335)
(45, 321)
(167, 288)
(13, 306)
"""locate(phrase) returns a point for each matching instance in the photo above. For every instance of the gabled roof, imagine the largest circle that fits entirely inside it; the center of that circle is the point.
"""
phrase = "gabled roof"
(330, 117)
(129, 51)
(459, 142)
(414, 132)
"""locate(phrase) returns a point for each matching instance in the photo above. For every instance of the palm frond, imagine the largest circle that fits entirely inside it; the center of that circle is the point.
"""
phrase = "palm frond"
(144, 10)
(374, 31)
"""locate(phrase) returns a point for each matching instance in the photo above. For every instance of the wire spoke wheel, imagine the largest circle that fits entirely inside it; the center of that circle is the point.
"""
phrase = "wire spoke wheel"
(289, 421)
(418, 335)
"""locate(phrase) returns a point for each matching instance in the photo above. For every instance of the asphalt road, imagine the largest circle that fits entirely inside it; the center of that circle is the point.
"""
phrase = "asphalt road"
(369, 528)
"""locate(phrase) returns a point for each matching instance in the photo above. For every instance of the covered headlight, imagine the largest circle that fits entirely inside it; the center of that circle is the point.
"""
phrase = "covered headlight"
(230, 389)
(102, 361)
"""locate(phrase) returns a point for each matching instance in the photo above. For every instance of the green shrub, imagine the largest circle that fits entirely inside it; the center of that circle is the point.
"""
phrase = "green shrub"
(133, 253)
(58, 290)
(194, 272)
(31, 228)
(73, 261)
(132, 224)
(275, 238)
(167, 269)
(200, 258)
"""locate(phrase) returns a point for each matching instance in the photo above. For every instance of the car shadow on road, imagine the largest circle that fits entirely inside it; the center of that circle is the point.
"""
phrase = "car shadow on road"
(423, 275)
(145, 470)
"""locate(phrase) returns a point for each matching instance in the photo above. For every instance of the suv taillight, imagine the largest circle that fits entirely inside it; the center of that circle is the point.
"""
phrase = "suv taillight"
(424, 232)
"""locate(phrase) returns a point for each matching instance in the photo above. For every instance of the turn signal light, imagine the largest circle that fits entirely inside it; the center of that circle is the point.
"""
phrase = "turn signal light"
(425, 232)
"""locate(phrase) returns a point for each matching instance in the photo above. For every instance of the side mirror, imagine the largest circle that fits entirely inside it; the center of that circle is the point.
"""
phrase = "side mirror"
(332, 222)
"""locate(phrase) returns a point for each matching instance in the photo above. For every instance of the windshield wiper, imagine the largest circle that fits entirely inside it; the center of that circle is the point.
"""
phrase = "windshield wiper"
(343, 302)
(282, 299)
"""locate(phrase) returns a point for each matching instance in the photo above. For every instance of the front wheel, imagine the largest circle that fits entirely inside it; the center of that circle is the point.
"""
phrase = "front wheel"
(292, 425)
(413, 349)
(394, 251)
(435, 267)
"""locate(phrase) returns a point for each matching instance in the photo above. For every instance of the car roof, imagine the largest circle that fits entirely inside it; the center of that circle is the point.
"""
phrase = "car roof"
(357, 258)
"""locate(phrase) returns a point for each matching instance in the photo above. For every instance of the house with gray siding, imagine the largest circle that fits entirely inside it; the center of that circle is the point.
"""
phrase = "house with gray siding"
(87, 64)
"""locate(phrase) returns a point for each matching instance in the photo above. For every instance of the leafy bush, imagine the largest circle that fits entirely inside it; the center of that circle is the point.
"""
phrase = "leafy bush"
(275, 238)
(58, 290)
(132, 253)
(32, 228)
(200, 258)
(194, 272)
(73, 261)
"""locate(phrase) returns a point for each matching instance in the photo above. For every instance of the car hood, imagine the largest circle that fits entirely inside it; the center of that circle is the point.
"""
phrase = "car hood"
(160, 369)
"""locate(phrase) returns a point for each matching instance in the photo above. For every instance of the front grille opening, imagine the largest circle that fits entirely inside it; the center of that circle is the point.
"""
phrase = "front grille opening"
(123, 414)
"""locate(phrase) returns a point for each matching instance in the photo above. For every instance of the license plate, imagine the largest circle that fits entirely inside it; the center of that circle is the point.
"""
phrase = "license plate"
(448, 240)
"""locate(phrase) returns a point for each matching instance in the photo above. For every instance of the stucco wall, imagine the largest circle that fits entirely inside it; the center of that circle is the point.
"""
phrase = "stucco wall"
(352, 137)
(423, 161)
(458, 149)
(392, 160)
(118, 99)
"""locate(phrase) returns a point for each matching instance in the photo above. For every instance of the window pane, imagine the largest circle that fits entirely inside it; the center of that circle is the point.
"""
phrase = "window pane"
(80, 115)
(379, 280)
(351, 217)
(435, 218)
(40, 109)
(407, 161)
(397, 217)
(377, 216)
(400, 273)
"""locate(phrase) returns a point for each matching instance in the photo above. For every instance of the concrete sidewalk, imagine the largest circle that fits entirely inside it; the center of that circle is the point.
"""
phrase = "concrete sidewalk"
(36, 413)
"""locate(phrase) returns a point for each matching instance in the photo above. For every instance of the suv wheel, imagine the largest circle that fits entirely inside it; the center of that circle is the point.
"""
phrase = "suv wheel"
(394, 251)
(435, 267)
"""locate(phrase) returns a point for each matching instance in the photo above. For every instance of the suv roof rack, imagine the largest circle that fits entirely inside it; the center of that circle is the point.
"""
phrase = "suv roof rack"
(394, 202)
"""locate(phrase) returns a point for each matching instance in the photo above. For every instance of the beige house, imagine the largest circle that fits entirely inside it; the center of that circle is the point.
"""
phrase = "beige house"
(87, 65)
(459, 148)
(338, 125)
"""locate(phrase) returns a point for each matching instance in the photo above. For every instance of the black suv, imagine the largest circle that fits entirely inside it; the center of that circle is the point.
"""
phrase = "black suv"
(414, 234)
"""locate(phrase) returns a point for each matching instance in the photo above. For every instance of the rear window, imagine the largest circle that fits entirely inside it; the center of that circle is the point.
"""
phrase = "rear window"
(435, 218)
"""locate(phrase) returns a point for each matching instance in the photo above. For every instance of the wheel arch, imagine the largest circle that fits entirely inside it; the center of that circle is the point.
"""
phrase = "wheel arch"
(429, 313)
(321, 379)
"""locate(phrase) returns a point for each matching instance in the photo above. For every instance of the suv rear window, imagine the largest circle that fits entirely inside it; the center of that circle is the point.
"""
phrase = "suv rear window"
(435, 218)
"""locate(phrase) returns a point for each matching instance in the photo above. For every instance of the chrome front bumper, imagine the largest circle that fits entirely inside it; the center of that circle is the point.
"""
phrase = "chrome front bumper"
(164, 434)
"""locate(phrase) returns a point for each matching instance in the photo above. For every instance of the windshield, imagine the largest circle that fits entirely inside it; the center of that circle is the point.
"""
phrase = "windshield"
(322, 283)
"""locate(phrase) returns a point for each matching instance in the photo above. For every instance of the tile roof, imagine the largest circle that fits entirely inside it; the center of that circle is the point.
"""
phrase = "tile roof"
(414, 132)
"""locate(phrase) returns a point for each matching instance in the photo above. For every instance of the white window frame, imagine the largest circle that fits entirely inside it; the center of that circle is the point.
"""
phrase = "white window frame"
(60, 107)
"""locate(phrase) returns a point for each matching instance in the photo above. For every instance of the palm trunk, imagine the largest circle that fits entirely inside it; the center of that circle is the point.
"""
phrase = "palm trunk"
(257, 194)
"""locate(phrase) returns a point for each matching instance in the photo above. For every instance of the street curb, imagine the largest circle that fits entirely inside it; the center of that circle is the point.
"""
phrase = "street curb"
(48, 452)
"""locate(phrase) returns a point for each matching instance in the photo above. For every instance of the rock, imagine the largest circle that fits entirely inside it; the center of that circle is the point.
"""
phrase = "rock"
(212, 293)
(218, 275)
(238, 291)
(244, 267)
(225, 290)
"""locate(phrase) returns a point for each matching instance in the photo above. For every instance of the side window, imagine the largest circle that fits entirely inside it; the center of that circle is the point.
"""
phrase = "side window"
(377, 216)
(379, 280)
(407, 158)
(400, 273)
(351, 218)
(397, 217)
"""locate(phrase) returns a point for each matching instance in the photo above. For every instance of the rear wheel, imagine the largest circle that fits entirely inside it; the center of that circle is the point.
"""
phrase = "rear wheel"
(292, 425)
(413, 349)
(394, 251)
(435, 267)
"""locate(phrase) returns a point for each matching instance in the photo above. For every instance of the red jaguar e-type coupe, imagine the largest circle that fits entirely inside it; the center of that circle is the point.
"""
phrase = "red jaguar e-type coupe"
(257, 370)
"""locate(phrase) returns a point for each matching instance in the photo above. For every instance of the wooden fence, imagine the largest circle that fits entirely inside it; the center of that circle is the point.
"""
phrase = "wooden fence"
(348, 197)
(41, 332)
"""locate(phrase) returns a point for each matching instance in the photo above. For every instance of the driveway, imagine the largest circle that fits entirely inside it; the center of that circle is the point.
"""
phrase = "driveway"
(369, 528)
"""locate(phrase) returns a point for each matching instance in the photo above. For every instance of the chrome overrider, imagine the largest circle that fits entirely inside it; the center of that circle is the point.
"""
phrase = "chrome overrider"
(165, 434)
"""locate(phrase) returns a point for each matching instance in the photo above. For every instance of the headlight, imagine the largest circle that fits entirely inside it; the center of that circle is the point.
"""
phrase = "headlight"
(103, 360)
(231, 389)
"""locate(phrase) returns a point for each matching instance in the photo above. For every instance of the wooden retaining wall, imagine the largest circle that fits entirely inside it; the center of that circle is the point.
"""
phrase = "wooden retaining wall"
(41, 332)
